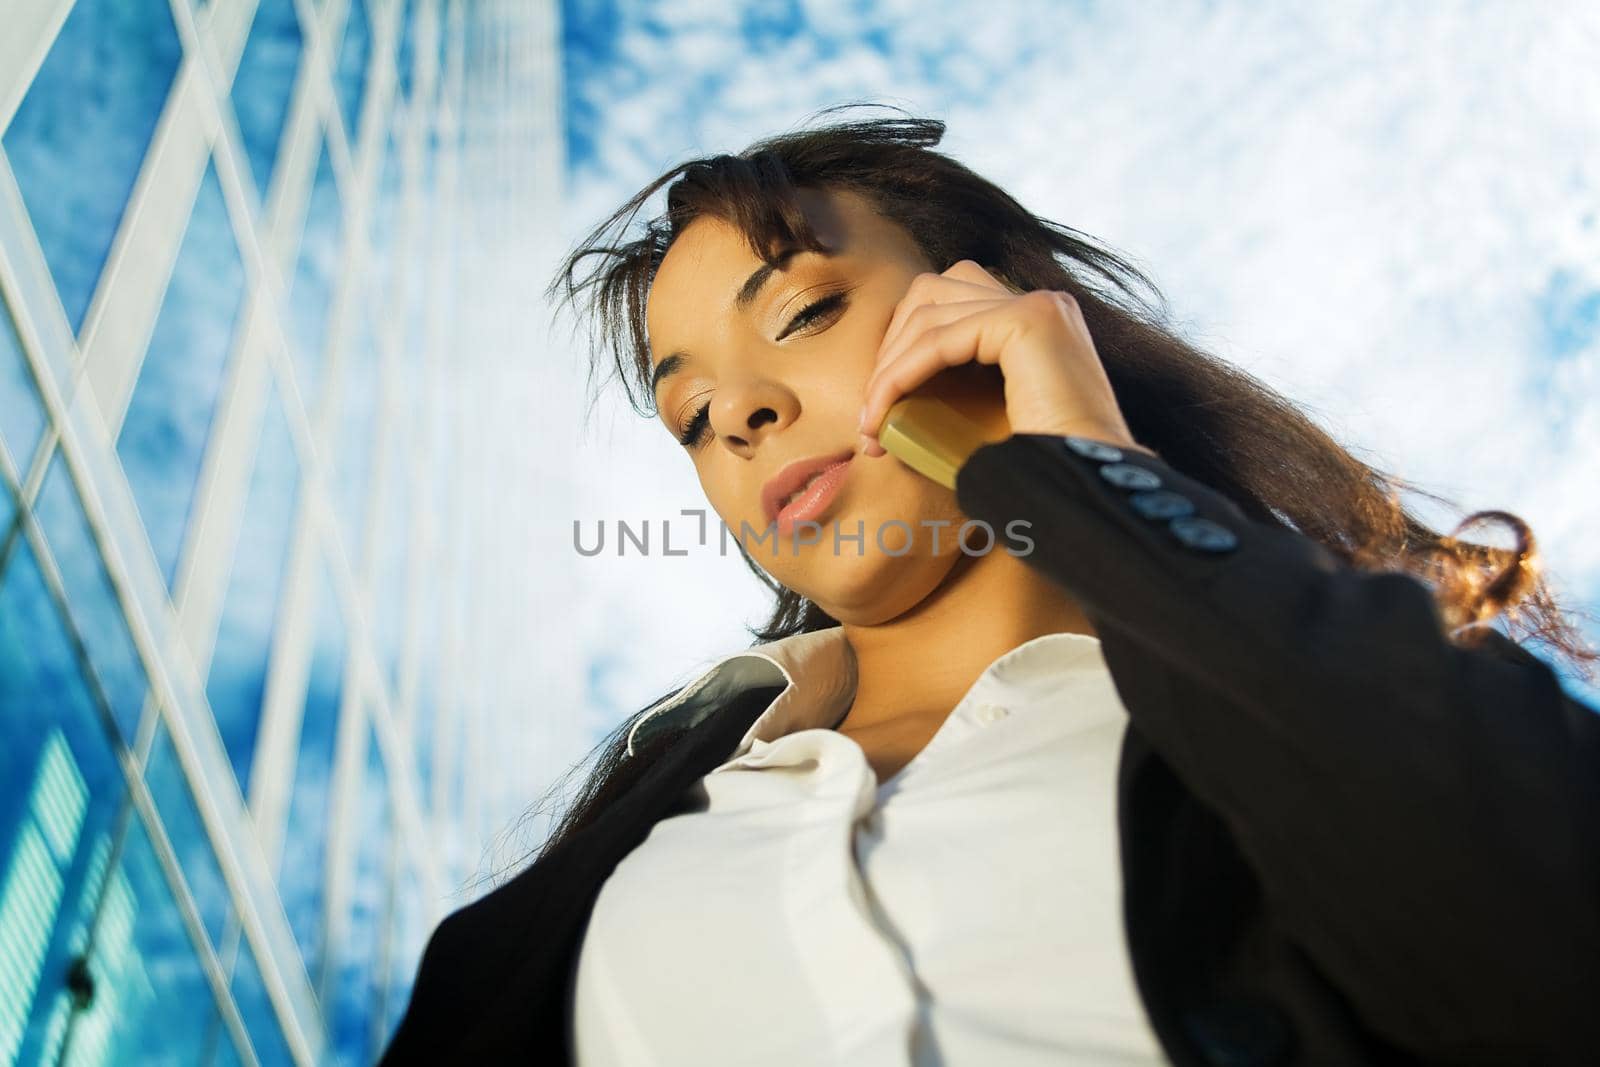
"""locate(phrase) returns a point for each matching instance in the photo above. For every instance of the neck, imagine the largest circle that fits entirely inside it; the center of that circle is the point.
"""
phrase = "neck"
(917, 666)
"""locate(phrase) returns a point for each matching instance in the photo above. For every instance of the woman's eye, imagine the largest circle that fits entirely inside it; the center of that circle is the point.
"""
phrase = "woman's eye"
(812, 312)
(696, 428)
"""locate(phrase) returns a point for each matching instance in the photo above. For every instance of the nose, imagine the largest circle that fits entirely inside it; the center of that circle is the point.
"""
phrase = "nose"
(746, 411)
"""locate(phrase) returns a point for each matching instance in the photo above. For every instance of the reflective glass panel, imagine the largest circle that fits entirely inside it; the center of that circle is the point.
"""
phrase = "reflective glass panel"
(408, 937)
(444, 52)
(431, 625)
(406, 53)
(78, 140)
(393, 532)
(91, 600)
(455, 810)
(421, 255)
(312, 292)
(21, 412)
(356, 427)
(350, 75)
(264, 83)
(386, 220)
(164, 432)
(180, 814)
(238, 674)
(61, 790)
(223, 1053)
(147, 999)
(357, 1028)
(260, 1019)
(305, 859)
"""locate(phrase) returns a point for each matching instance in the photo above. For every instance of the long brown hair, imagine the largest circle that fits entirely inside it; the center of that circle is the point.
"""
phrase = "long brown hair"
(1208, 419)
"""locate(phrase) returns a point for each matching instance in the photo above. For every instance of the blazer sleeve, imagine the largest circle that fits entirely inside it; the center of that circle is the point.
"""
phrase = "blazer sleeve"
(1424, 818)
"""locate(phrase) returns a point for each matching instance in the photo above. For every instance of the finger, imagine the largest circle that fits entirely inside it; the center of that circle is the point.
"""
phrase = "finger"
(981, 337)
(925, 317)
(970, 271)
(938, 289)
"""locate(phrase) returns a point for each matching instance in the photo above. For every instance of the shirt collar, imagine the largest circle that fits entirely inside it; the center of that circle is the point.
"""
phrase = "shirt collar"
(818, 670)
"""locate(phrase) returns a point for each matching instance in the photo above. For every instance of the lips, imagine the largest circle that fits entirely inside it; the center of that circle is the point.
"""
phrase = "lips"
(775, 494)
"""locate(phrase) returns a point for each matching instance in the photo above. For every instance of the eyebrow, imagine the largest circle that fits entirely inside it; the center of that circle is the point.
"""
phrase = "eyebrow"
(741, 300)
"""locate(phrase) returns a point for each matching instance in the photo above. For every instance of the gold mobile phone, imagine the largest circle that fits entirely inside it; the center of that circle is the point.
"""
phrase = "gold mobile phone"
(934, 428)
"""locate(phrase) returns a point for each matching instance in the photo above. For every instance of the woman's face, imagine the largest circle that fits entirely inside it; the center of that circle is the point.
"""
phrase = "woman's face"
(780, 383)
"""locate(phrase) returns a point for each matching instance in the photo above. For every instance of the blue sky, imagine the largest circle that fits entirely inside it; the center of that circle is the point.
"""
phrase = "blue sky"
(1386, 211)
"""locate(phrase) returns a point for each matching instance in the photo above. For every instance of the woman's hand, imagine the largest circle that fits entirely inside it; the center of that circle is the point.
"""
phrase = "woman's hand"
(1054, 380)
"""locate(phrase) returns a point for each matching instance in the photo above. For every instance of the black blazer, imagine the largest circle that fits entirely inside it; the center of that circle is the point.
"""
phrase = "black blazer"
(1344, 840)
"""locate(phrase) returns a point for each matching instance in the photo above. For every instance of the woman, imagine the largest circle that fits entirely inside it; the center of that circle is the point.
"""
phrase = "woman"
(1185, 743)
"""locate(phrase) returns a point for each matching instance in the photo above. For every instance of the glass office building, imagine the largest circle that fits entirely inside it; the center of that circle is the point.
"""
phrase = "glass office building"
(252, 629)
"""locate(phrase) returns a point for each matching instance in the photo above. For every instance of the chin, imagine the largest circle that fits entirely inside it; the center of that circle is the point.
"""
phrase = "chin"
(872, 588)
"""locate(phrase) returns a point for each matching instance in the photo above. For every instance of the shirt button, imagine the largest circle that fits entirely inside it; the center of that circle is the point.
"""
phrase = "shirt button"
(991, 712)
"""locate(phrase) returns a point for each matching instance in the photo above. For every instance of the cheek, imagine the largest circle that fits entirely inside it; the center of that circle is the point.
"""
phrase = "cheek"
(898, 495)
(862, 348)
(720, 498)
(731, 502)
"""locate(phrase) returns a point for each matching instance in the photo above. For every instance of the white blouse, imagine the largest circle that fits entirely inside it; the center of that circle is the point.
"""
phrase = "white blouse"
(968, 911)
